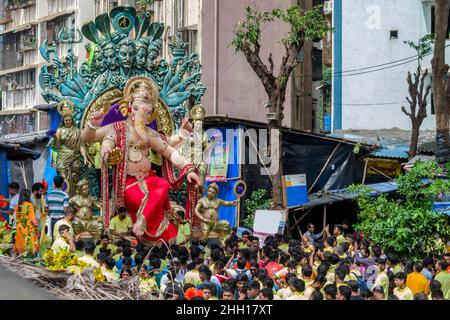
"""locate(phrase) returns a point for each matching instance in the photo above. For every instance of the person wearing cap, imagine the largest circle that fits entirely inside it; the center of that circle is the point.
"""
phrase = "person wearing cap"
(88, 258)
(378, 293)
(382, 278)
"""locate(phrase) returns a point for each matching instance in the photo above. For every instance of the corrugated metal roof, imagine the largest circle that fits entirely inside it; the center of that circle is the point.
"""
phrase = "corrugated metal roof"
(354, 138)
(331, 196)
(394, 153)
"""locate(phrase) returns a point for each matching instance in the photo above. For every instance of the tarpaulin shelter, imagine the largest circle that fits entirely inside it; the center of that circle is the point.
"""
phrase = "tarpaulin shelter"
(21, 157)
(25, 157)
(329, 163)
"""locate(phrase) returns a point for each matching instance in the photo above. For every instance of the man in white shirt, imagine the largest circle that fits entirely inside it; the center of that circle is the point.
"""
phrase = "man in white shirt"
(14, 191)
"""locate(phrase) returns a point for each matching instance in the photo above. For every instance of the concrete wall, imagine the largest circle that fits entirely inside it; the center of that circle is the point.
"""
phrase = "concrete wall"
(239, 91)
(366, 42)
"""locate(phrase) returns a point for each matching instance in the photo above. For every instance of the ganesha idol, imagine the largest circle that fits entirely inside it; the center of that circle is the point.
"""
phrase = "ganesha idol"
(135, 185)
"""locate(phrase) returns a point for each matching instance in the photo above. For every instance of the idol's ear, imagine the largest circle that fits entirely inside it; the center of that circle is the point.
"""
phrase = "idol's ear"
(123, 107)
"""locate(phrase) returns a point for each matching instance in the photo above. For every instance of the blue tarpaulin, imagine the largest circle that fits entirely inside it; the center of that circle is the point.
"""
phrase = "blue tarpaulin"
(4, 168)
(226, 189)
(4, 177)
(50, 172)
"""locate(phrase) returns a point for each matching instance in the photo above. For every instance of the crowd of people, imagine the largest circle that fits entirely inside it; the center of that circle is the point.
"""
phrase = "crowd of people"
(335, 264)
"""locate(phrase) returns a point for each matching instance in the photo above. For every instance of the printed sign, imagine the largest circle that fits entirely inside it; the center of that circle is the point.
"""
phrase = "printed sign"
(268, 222)
(295, 190)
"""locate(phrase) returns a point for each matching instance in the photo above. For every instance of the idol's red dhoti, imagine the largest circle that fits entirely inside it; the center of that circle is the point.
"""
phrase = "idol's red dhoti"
(150, 197)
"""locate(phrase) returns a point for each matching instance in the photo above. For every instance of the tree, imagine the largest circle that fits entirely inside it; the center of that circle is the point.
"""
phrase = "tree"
(440, 69)
(407, 226)
(417, 105)
(144, 4)
(417, 96)
(305, 26)
(258, 200)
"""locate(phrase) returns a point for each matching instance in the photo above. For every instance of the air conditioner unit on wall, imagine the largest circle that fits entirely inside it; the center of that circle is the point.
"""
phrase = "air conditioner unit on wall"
(328, 7)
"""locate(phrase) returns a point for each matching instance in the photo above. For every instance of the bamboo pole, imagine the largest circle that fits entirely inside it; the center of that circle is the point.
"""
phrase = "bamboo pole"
(324, 167)
(366, 162)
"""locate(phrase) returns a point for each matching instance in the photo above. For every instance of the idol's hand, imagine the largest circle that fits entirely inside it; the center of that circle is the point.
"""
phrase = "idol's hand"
(96, 118)
(137, 229)
(193, 177)
(186, 125)
(105, 151)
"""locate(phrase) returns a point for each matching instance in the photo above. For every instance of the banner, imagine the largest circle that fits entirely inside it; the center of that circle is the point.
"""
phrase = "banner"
(219, 164)
(388, 167)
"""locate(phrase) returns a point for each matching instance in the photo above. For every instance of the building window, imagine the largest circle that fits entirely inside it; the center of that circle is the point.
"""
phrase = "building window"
(433, 21)
(190, 37)
(180, 14)
(394, 34)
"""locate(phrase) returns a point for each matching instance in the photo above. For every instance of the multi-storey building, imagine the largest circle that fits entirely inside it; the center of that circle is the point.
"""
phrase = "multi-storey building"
(371, 61)
(233, 88)
(24, 25)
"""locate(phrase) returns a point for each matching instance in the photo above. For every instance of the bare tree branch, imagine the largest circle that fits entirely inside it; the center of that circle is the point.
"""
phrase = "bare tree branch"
(254, 60)
(271, 63)
(406, 112)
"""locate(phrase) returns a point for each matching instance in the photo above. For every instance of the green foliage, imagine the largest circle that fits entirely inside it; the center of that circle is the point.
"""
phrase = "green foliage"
(5, 239)
(305, 25)
(144, 3)
(326, 75)
(407, 226)
(423, 46)
(258, 200)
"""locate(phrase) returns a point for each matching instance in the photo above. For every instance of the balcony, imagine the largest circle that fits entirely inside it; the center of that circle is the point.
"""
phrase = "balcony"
(19, 51)
(18, 124)
(17, 5)
(19, 99)
(20, 19)
(57, 6)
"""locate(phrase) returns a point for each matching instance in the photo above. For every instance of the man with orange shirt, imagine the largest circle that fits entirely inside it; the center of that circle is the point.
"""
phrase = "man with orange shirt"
(416, 281)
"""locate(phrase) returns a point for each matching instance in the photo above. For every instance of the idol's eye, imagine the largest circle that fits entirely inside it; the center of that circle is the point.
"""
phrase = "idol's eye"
(135, 108)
